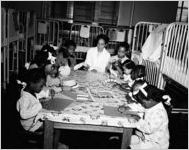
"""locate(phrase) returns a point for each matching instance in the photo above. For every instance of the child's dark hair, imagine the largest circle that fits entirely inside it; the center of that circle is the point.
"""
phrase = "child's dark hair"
(129, 64)
(138, 72)
(34, 75)
(47, 48)
(40, 58)
(70, 43)
(123, 44)
(65, 54)
(104, 37)
(157, 95)
(138, 82)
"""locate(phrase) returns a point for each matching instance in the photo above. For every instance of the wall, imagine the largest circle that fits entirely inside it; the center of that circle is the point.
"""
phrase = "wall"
(153, 11)
(124, 13)
(25, 6)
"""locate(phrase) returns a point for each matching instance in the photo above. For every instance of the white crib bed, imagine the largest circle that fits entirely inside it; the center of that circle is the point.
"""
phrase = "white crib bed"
(175, 53)
(141, 33)
(173, 61)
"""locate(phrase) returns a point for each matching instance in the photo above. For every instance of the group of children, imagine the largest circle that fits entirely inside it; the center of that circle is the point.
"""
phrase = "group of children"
(151, 132)
(41, 79)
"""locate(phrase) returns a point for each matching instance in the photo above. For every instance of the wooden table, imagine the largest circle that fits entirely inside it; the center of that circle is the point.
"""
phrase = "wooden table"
(51, 136)
(52, 128)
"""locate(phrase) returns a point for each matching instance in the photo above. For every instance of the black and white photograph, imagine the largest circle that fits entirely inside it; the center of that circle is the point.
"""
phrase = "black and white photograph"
(94, 74)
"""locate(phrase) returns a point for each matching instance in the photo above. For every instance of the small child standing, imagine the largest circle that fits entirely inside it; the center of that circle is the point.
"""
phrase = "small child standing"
(28, 105)
(152, 131)
(116, 61)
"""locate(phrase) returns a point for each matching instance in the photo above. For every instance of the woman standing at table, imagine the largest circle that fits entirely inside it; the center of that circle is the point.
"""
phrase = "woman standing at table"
(98, 57)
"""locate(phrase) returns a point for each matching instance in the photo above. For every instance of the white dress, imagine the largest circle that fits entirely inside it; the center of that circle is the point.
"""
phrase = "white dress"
(29, 106)
(154, 130)
(97, 60)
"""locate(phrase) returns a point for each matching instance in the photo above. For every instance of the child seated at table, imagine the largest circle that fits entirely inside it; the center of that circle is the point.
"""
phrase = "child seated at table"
(46, 53)
(28, 104)
(132, 75)
(138, 73)
(70, 52)
(62, 62)
(128, 66)
(152, 131)
(53, 81)
(117, 61)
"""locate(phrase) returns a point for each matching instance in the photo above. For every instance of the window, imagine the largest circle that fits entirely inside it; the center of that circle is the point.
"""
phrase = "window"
(182, 11)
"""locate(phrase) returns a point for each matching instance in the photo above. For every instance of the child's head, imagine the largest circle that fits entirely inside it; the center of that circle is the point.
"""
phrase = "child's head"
(70, 46)
(51, 69)
(138, 72)
(47, 48)
(35, 80)
(149, 95)
(122, 50)
(40, 58)
(61, 59)
(128, 66)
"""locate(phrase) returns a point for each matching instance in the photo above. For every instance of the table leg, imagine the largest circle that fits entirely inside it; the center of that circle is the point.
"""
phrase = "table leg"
(48, 134)
(126, 138)
(57, 133)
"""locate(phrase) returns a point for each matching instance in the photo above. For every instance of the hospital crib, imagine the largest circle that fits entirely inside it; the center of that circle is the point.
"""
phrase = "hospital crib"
(141, 32)
(173, 61)
(17, 41)
(47, 32)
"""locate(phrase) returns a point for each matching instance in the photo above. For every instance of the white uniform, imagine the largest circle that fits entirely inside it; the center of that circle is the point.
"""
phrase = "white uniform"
(29, 106)
(97, 60)
(154, 128)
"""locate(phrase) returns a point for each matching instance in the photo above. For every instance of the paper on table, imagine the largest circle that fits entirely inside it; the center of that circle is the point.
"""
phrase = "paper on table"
(84, 32)
(113, 111)
(58, 104)
(63, 96)
(42, 28)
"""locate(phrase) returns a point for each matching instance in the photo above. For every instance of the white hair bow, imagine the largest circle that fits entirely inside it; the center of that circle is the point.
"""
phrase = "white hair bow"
(142, 78)
(141, 88)
(51, 58)
(168, 99)
(27, 66)
(22, 83)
